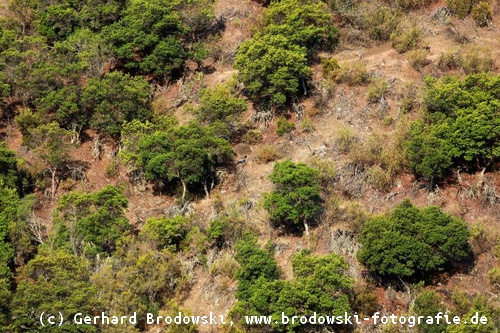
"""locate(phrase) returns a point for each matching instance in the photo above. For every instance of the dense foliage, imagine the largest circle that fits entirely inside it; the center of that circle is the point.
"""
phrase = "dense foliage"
(51, 282)
(462, 129)
(177, 155)
(273, 64)
(296, 200)
(91, 223)
(412, 243)
(320, 285)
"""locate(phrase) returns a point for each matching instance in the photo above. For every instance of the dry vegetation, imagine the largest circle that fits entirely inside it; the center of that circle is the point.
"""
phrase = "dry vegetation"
(351, 128)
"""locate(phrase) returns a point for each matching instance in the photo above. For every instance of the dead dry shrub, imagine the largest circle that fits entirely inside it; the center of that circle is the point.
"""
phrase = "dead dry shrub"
(252, 137)
(477, 59)
(483, 238)
(368, 153)
(327, 171)
(379, 21)
(461, 8)
(409, 98)
(481, 14)
(449, 60)
(376, 89)
(223, 265)
(406, 37)
(268, 153)
(353, 74)
(344, 140)
(409, 4)
(380, 179)
(345, 214)
(494, 275)
(418, 59)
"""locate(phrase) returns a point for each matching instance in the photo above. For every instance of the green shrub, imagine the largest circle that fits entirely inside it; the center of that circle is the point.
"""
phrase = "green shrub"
(168, 233)
(329, 66)
(481, 14)
(284, 126)
(460, 131)
(255, 264)
(320, 285)
(307, 125)
(477, 59)
(219, 103)
(406, 37)
(226, 229)
(428, 303)
(412, 243)
(461, 8)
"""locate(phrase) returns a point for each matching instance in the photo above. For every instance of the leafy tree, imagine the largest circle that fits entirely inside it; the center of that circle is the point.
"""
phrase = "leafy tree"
(219, 103)
(186, 154)
(168, 233)
(58, 19)
(412, 243)
(115, 99)
(296, 200)
(273, 68)
(49, 142)
(320, 285)
(304, 22)
(146, 38)
(91, 223)
(256, 264)
(138, 279)
(8, 209)
(462, 128)
(51, 282)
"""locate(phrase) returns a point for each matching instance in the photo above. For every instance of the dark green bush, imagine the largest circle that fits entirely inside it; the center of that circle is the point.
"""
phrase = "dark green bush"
(296, 200)
(462, 128)
(284, 126)
(412, 243)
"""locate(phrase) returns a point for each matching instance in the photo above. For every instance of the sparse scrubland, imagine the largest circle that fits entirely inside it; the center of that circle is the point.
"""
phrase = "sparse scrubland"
(249, 158)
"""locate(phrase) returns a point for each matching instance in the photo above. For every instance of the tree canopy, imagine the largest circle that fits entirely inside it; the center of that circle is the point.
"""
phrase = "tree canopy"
(296, 200)
(412, 243)
(461, 129)
(91, 223)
